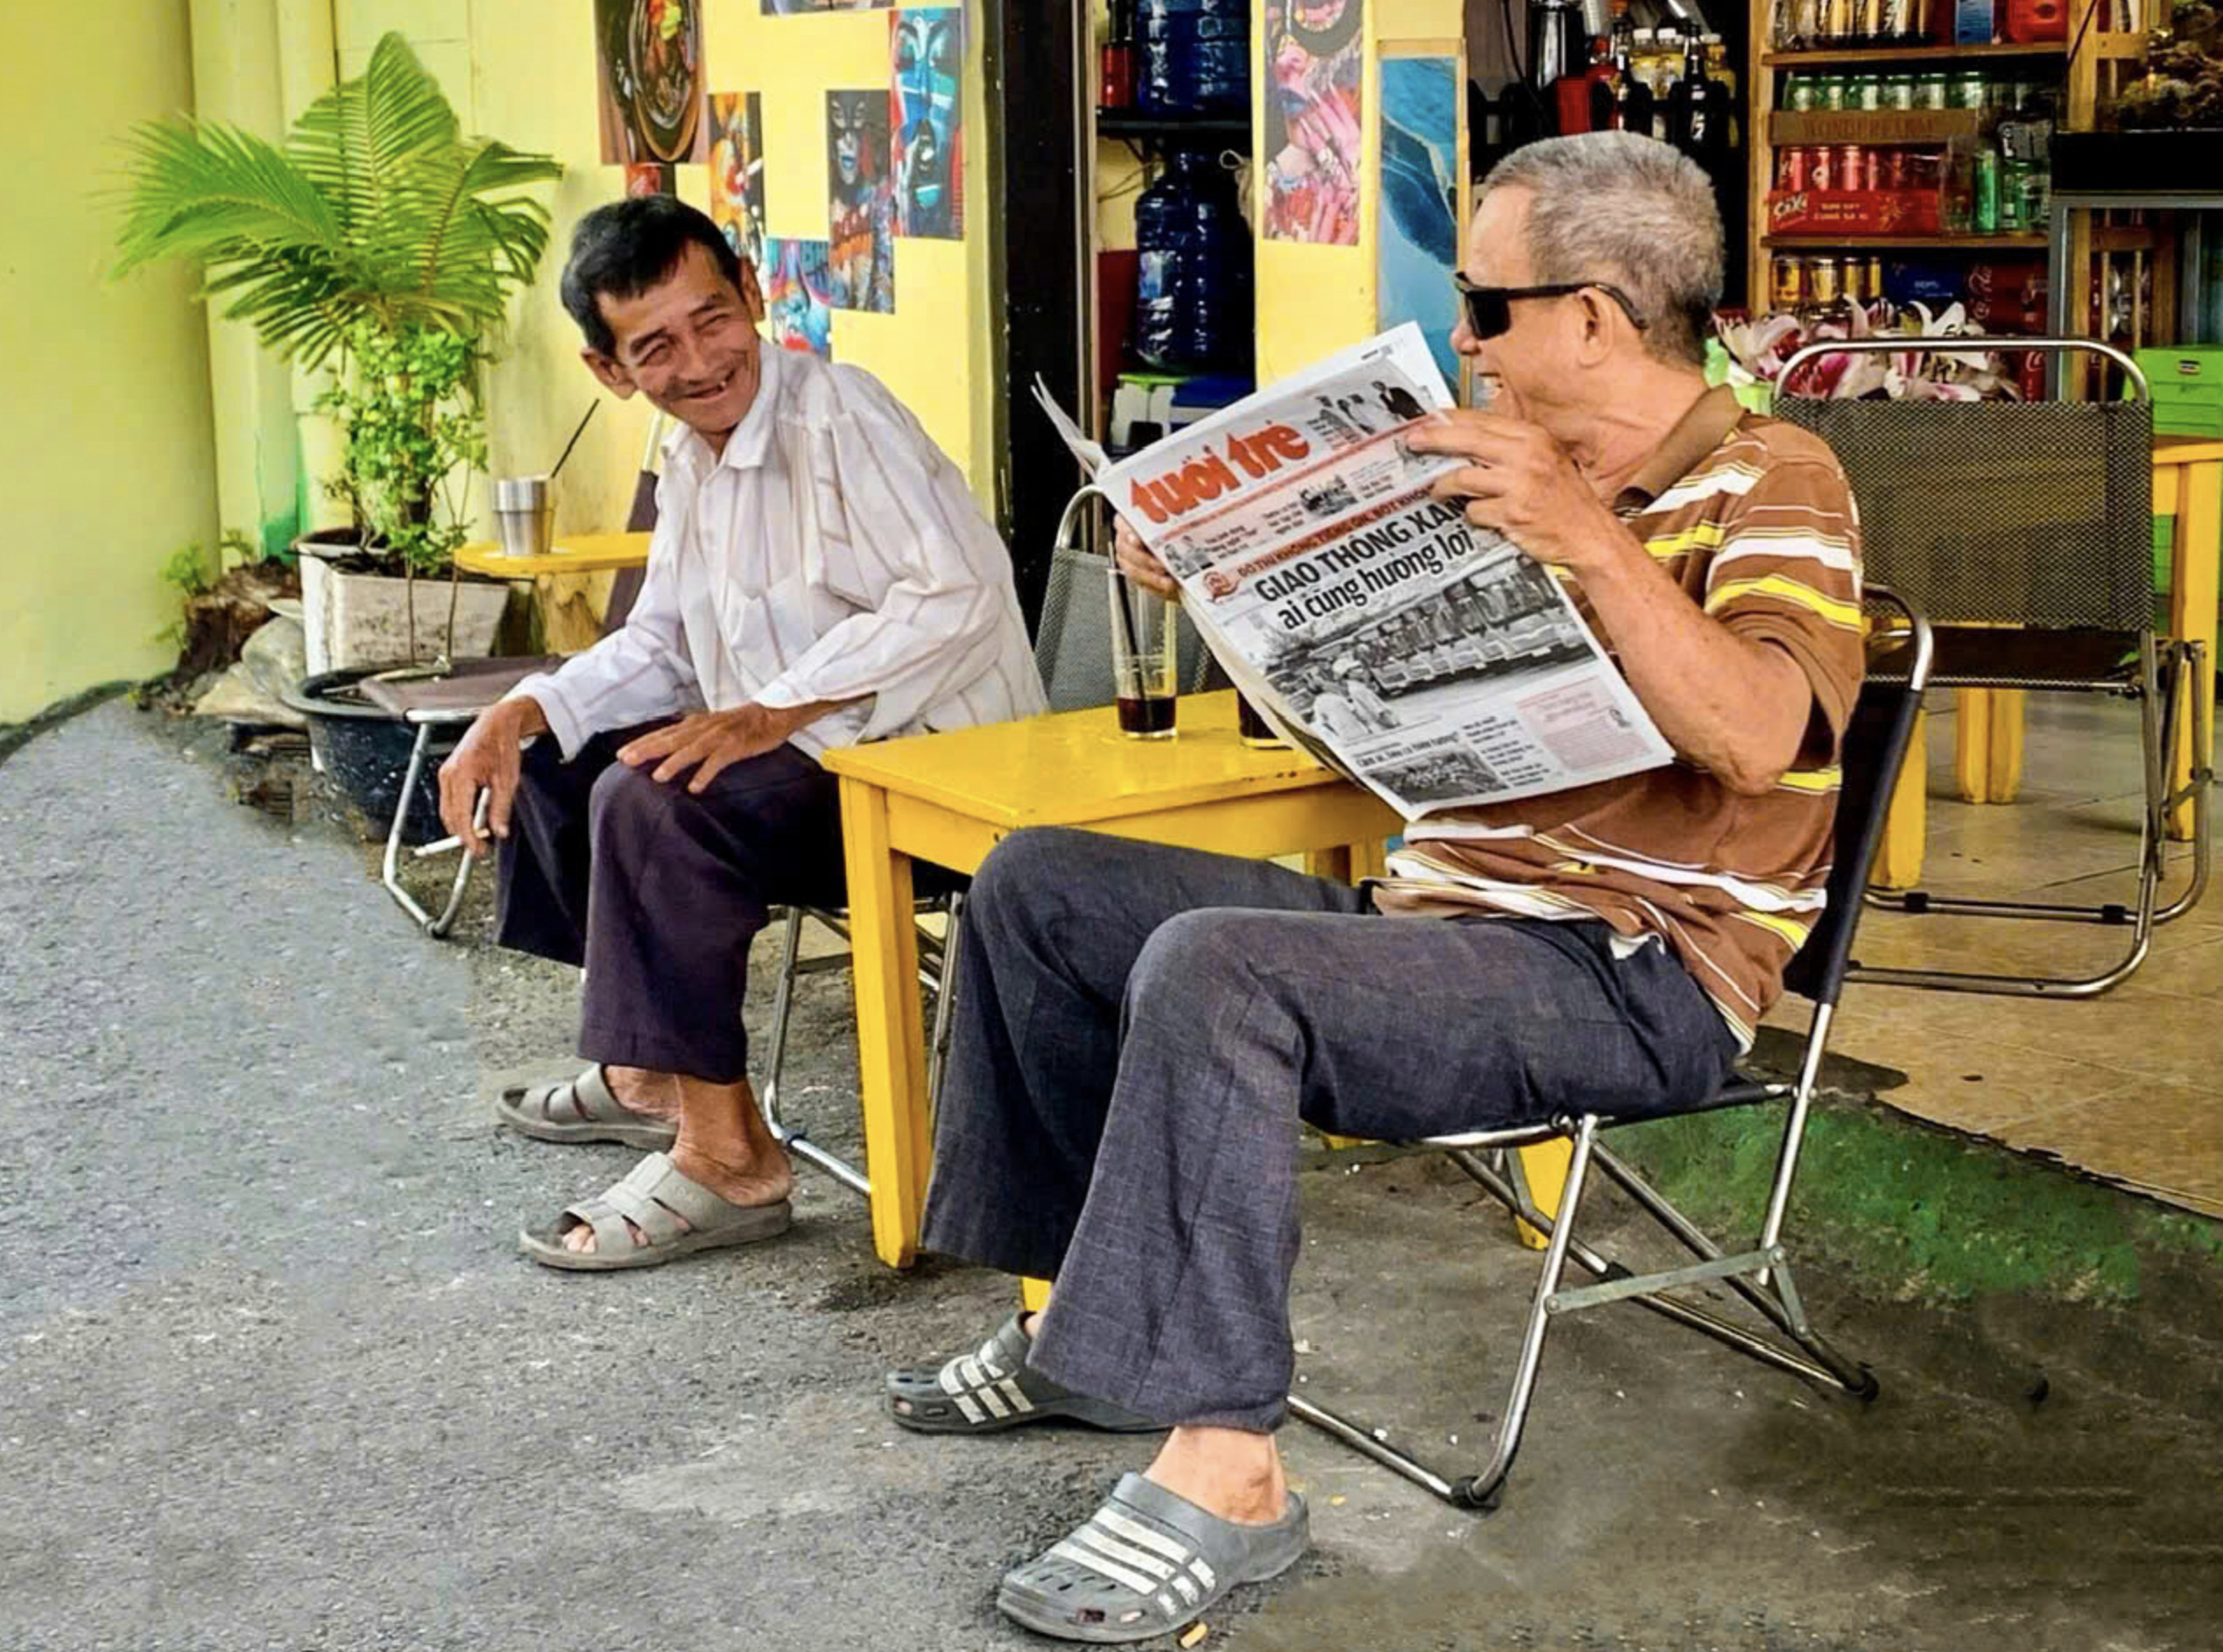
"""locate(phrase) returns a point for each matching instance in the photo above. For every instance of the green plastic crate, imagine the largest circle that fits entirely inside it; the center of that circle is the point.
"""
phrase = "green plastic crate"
(2187, 386)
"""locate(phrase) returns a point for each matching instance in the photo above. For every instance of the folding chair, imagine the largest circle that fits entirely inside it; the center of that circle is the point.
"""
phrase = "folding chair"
(1876, 744)
(2024, 531)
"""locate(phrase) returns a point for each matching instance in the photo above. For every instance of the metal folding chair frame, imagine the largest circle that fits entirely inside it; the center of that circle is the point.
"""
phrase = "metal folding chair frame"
(429, 725)
(2164, 681)
(1761, 1272)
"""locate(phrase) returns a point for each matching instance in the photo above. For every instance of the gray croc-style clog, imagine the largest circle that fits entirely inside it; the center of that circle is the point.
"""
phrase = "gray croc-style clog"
(580, 1110)
(676, 1216)
(993, 1388)
(1145, 1564)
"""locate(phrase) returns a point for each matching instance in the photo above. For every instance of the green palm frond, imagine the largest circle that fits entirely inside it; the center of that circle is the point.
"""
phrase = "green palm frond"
(375, 208)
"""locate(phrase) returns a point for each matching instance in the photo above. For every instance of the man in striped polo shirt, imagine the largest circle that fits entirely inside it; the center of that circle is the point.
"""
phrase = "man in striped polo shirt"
(1139, 1028)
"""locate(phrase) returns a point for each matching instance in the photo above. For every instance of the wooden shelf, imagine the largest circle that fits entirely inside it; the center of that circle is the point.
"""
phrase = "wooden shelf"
(1793, 127)
(1828, 56)
(1134, 125)
(2015, 243)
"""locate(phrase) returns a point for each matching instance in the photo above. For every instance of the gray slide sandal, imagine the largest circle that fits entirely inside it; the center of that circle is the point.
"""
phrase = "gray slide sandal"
(992, 1388)
(580, 1110)
(1145, 1564)
(678, 1217)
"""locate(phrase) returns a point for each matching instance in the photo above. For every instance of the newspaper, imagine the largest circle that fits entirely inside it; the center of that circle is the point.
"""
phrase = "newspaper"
(1427, 659)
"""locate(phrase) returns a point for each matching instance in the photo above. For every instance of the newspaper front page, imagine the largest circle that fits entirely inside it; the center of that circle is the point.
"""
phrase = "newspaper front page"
(1426, 658)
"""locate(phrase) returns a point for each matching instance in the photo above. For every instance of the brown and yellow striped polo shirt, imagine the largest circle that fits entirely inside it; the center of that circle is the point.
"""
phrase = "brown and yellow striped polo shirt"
(1755, 522)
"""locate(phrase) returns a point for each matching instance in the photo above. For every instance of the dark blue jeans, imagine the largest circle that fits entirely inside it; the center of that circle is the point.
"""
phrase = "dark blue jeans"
(658, 893)
(1139, 1030)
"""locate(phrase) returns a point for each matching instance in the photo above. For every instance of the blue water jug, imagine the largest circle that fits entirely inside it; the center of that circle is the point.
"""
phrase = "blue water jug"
(1193, 290)
(1193, 57)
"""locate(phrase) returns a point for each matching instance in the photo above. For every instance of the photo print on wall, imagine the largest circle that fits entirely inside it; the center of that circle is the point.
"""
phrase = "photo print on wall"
(736, 171)
(1423, 101)
(797, 7)
(651, 178)
(1313, 64)
(861, 215)
(798, 289)
(649, 66)
(926, 105)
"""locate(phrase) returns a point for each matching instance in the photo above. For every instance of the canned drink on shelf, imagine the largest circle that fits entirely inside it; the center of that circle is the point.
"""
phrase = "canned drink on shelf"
(2011, 200)
(1852, 167)
(1829, 92)
(1799, 93)
(1790, 170)
(1854, 284)
(1787, 282)
(2036, 185)
(1897, 171)
(1824, 280)
(1983, 208)
(1971, 90)
(1821, 167)
(1872, 171)
(1875, 277)
(1864, 93)
(1899, 92)
(1931, 92)
(1872, 13)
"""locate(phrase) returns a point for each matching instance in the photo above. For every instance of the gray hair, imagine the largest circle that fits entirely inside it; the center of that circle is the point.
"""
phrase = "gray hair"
(1615, 207)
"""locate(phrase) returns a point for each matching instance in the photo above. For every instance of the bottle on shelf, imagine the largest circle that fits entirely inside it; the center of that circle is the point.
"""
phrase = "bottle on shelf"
(1571, 95)
(1118, 91)
(1698, 110)
(1624, 103)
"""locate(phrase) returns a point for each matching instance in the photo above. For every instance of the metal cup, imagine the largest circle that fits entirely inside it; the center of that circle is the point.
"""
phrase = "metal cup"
(525, 515)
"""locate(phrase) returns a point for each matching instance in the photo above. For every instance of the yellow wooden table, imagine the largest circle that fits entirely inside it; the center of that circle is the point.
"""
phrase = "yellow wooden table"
(948, 797)
(2188, 487)
(570, 584)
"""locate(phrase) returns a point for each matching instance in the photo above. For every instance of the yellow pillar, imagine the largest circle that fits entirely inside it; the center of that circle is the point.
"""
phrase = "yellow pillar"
(2193, 596)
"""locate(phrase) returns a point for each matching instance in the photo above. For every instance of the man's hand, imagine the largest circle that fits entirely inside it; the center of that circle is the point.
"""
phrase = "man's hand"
(1139, 563)
(1520, 481)
(711, 742)
(487, 760)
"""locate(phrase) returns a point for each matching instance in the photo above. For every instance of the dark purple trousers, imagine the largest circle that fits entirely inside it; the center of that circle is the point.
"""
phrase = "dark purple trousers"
(658, 893)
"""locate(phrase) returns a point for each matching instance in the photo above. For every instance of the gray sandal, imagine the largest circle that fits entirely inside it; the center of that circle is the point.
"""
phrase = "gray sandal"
(1145, 1564)
(578, 1109)
(993, 1388)
(677, 1216)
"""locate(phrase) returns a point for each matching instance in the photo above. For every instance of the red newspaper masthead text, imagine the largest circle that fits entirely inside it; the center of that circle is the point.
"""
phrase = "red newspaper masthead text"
(1208, 476)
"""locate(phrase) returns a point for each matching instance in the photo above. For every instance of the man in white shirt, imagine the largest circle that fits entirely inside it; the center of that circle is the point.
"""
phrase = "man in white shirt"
(819, 576)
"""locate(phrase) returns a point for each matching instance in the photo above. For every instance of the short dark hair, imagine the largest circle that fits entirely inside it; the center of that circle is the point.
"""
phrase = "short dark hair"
(627, 247)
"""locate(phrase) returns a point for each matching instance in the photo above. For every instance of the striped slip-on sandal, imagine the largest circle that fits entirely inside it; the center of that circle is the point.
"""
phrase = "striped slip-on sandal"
(677, 1216)
(993, 1388)
(580, 1110)
(1145, 1564)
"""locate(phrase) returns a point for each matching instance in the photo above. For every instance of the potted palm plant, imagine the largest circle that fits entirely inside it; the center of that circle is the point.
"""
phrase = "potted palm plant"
(381, 246)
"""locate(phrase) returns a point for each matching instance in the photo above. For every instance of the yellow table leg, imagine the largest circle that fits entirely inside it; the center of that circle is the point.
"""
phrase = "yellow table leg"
(890, 1042)
(1346, 863)
(2192, 597)
(1988, 754)
(1898, 857)
(1545, 1166)
(1033, 1294)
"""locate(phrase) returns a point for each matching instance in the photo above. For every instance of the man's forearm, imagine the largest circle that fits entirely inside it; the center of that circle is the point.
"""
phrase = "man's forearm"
(1736, 708)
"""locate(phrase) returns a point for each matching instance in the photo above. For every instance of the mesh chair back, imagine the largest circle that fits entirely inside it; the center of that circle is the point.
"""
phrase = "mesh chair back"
(1073, 644)
(2003, 513)
(1874, 747)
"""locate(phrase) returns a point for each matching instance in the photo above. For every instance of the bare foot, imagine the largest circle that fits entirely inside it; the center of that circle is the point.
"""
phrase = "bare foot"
(641, 1089)
(1229, 1473)
(765, 1182)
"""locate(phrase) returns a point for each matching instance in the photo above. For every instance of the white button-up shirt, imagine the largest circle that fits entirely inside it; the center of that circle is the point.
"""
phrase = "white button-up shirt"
(831, 552)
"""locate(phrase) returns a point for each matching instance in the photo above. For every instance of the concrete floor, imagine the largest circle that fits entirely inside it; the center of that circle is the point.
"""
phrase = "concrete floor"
(2123, 1086)
(272, 1374)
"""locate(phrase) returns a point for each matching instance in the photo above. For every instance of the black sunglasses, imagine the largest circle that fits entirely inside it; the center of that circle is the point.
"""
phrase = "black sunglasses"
(1489, 309)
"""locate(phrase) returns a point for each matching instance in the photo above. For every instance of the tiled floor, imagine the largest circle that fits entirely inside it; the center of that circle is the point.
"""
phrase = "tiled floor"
(2125, 1085)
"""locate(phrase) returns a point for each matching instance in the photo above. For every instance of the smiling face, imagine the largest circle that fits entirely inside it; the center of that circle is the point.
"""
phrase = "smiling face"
(688, 343)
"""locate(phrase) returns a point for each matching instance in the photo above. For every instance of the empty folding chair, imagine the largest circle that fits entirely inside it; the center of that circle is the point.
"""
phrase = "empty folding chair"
(2024, 531)
(1759, 1271)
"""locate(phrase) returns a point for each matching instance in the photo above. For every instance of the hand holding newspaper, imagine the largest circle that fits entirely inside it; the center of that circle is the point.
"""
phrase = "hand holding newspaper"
(1427, 659)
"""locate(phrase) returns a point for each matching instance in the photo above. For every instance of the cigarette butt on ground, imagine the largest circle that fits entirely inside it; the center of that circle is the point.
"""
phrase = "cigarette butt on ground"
(1337, 1502)
(1197, 1631)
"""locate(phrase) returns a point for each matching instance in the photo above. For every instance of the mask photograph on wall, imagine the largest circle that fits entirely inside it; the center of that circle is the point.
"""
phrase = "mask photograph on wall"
(1314, 66)
(926, 104)
(861, 217)
(651, 178)
(736, 171)
(649, 68)
(798, 8)
(798, 294)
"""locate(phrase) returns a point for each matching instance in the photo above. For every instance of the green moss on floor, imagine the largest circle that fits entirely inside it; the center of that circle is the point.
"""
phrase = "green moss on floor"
(1918, 1212)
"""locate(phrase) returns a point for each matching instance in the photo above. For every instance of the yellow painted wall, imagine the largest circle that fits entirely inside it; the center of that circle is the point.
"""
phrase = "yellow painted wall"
(106, 462)
(1312, 299)
(524, 71)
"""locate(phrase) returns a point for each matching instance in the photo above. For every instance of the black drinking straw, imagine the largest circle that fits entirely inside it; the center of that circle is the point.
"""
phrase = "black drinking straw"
(576, 434)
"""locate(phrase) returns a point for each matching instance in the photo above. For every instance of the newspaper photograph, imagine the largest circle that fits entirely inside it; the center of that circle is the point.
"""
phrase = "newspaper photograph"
(1427, 659)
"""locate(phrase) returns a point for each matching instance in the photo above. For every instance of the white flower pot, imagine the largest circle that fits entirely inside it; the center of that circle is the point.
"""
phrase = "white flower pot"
(362, 619)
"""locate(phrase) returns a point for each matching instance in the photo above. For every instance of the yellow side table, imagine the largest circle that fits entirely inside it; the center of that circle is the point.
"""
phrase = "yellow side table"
(570, 584)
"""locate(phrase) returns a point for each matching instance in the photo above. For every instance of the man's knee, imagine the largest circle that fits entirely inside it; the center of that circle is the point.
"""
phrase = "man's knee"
(1022, 873)
(1190, 960)
(626, 804)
